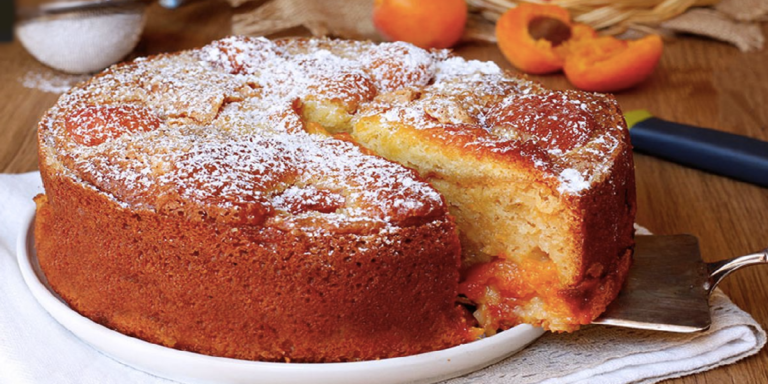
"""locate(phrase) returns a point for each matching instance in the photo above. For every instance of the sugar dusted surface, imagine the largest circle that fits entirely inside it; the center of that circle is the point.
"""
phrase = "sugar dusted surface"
(51, 81)
(233, 136)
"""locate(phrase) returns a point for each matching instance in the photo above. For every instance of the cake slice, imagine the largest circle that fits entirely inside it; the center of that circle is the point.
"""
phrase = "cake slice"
(541, 184)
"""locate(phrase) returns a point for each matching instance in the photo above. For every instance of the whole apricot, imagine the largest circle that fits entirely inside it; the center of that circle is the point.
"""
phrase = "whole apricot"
(424, 23)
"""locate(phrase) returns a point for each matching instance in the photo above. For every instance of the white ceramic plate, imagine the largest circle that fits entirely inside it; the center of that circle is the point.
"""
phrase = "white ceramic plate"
(196, 368)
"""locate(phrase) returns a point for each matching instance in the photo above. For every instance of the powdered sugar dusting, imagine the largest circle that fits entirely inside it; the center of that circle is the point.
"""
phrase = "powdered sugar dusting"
(557, 131)
(50, 81)
(394, 66)
(234, 133)
(572, 181)
(456, 66)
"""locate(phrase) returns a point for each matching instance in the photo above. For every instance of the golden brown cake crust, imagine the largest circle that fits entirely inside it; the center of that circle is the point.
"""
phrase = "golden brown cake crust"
(190, 207)
(245, 292)
(232, 200)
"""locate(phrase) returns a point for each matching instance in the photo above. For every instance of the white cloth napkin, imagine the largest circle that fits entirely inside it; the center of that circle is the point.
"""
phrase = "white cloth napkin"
(34, 348)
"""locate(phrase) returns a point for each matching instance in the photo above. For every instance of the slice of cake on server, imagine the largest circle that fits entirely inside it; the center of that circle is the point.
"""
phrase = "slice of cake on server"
(541, 184)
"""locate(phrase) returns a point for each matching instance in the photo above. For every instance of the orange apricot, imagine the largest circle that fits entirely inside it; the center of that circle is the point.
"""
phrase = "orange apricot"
(529, 34)
(607, 64)
(424, 23)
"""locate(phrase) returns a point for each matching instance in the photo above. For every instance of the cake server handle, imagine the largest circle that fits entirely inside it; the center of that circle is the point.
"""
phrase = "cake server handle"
(727, 154)
(720, 269)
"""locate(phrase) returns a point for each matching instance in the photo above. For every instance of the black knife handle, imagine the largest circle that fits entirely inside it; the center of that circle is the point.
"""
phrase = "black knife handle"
(739, 157)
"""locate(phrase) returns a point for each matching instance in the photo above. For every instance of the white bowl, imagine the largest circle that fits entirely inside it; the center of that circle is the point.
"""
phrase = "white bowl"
(82, 41)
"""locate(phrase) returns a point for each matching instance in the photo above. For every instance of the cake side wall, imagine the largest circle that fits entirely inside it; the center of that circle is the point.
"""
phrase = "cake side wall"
(606, 233)
(250, 293)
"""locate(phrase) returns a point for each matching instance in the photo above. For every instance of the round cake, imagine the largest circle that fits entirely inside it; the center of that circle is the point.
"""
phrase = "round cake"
(320, 200)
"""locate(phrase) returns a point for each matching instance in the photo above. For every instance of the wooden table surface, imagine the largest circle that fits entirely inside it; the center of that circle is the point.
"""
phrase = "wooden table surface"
(698, 81)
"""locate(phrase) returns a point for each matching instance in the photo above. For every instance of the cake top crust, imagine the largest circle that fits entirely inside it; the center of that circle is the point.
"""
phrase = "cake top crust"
(222, 132)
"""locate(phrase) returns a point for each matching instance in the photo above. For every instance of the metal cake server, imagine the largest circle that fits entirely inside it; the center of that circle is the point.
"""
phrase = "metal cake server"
(668, 286)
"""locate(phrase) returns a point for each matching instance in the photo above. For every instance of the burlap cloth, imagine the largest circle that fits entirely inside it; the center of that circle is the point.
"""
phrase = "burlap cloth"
(731, 21)
(341, 18)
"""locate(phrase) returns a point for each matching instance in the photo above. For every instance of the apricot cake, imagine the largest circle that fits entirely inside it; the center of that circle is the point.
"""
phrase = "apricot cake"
(323, 200)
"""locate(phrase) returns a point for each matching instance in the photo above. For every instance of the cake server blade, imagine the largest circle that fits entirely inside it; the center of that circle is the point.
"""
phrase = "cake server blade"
(668, 285)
